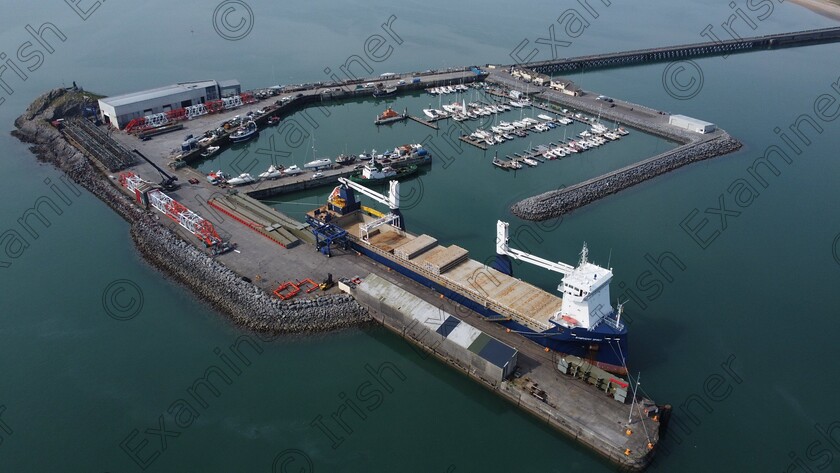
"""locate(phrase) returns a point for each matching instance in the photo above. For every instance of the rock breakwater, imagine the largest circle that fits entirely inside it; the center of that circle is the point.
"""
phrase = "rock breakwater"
(559, 202)
(245, 303)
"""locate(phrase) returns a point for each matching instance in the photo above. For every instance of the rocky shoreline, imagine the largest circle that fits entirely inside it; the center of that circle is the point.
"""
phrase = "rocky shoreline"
(555, 203)
(245, 303)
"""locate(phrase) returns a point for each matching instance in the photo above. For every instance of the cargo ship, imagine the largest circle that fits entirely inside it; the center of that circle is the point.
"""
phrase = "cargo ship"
(582, 323)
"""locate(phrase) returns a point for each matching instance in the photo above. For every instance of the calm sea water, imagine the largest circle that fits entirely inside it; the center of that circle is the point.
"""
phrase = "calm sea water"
(77, 383)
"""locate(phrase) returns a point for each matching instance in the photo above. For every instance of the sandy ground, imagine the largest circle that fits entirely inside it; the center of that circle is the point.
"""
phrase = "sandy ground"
(827, 8)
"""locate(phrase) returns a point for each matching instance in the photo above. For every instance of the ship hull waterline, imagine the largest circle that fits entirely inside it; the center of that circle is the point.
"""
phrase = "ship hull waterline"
(605, 347)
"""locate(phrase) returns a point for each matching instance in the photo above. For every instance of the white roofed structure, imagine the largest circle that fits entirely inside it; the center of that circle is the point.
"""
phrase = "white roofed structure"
(121, 109)
(691, 124)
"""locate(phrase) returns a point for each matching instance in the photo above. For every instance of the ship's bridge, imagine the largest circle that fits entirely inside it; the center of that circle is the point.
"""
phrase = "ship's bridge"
(586, 296)
(585, 280)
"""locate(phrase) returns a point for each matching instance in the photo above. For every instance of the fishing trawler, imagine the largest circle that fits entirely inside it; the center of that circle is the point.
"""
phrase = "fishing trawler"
(375, 173)
(245, 133)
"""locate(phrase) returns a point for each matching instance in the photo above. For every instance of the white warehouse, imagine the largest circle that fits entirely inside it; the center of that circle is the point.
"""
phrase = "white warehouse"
(691, 124)
(121, 109)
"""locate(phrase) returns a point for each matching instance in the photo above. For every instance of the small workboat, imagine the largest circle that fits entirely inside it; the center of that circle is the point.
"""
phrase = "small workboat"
(210, 151)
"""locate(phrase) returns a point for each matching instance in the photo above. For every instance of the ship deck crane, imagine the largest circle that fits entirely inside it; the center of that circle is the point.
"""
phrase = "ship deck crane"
(504, 252)
(167, 181)
(585, 288)
(392, 200)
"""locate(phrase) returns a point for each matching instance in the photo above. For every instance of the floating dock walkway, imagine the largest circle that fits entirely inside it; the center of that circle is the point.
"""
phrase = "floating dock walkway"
(424, 122)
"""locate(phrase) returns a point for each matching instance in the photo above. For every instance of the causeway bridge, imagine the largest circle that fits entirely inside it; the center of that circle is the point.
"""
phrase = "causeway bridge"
(685, 51)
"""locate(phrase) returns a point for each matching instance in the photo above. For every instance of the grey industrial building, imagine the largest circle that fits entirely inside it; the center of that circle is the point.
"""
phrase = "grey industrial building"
(449, 336)
(121, 109)
(691, 124)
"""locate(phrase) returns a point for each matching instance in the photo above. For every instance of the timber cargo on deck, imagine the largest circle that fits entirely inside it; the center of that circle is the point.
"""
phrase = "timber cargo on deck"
(584, 324)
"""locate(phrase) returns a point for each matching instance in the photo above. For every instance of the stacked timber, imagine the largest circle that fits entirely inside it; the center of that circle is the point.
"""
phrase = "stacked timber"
(415, 247)
(446, 259)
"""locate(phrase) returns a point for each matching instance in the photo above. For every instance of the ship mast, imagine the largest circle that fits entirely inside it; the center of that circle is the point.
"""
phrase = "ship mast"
(584, 253)
(635, 390)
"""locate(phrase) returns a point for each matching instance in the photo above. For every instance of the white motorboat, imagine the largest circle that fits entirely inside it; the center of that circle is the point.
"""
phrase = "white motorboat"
(241, 180)
(273, 173)
(210, 151)
(292, 170)
(318, 163)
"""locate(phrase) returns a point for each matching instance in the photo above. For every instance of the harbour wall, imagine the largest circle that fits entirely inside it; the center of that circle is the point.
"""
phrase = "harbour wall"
(572, 426)
(408, 315)
(329, 178)
(682, 52)
(555, 203)
(245, 303)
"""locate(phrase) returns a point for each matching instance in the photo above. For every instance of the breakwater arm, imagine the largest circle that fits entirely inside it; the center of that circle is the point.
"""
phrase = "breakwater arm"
(245, 303)
(556, 203)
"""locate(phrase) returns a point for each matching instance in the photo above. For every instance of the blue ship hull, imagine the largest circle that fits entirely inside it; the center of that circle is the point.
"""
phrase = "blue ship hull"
(244, 138)
(605, 346)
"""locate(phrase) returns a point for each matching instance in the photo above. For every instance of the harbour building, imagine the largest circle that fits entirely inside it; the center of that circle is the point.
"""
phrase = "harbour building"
(119, 110)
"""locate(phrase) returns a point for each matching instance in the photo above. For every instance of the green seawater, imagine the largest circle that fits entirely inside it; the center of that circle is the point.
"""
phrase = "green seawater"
(77, 383)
